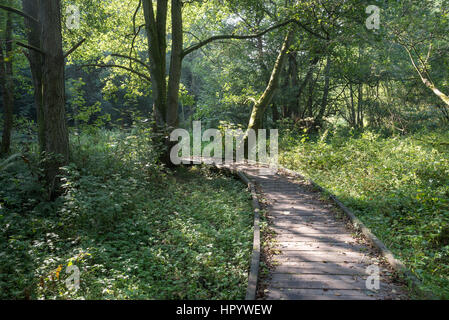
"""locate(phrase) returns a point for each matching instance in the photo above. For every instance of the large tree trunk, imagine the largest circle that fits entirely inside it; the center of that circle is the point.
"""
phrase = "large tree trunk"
(166, 98)
(175, 64)
(157, 48)
(31, 7)
(56, 137)
(261, 105)
(7, 86)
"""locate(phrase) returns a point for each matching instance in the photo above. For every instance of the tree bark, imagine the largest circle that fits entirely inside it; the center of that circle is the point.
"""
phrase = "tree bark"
(309, 74)
(30, 8)
(157, 47)
(175, 65)
(7, 85)
(53, 93)
(260, 106)
(319, 118)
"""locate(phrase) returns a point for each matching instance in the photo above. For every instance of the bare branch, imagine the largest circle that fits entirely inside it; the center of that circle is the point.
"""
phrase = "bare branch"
(29, 47)
(76, 46)
(232, 36)
(145, 77)
(132, 59)
(20, 13)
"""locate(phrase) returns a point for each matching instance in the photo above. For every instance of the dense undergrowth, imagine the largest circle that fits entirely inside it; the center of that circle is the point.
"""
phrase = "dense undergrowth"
(133, 230)
(398, 186)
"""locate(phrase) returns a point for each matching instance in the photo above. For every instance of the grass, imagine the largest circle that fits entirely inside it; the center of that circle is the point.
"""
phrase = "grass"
(398, 186)
(133, 231)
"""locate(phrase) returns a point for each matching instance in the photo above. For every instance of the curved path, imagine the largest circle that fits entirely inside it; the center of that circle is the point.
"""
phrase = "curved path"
(319, 256)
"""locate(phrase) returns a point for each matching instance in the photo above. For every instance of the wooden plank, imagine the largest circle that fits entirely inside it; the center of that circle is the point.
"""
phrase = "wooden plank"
(322, 246)
(322, 256)
(318, 281)
(295, 237)
(318, 294)
(307, 267)
(305, 229)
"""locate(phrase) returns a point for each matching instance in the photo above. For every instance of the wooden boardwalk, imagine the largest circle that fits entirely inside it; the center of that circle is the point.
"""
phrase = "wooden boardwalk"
(319, 258)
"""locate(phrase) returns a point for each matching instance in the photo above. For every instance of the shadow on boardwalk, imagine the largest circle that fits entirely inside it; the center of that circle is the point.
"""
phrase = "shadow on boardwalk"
(319, 257)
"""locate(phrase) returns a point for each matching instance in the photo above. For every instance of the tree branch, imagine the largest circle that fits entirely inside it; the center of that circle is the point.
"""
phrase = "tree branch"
(76, 46)
(29, 47)
(132, 59)
(147, 78)
(20, 13)
(232, 36)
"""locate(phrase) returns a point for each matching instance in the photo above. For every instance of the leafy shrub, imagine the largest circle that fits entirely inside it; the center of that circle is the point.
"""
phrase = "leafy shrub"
(398, 186)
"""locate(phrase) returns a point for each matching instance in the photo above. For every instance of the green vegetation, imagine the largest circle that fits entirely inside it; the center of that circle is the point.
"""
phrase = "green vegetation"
(91, 90)
(134, 231)
(397, 185)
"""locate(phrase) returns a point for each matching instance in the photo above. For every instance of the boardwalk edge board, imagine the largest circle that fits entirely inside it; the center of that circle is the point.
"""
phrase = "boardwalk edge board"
(396, 264)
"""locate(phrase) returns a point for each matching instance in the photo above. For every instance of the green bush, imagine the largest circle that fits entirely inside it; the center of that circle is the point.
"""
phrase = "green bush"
(133, 231)
(398, 186)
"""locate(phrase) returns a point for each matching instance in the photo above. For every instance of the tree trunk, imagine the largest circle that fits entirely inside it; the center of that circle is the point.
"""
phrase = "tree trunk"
(260, 106)
(31, 7)
(275, 111)
(53, 93)
(292, 80)
(319, 118)
(353, 116)
(7, 85)
(360, 106)
(157, 47)
(175, 64)
(301, 88)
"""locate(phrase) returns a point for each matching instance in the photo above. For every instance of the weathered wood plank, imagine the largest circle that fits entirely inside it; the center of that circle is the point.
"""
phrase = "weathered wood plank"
(307, 267)
(318, 294)
(318, 281)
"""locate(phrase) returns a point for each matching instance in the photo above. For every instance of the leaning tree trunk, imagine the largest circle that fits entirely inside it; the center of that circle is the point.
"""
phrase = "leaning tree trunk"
(7, 86)
(56, 135)
(255, 122)
(31, 7)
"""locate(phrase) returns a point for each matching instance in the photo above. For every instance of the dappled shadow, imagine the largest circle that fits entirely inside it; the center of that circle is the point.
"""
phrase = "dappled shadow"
(319, 256)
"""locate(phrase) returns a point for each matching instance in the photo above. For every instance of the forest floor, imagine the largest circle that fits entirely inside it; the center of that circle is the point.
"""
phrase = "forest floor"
(134, 231)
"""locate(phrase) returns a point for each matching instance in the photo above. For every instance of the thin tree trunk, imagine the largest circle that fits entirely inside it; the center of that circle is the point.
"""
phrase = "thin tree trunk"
(353, 116)
(304, 83)
(7, 85)
(275, 111)
(360, 106)
(31, 7)
(292, 80)
(319, 118)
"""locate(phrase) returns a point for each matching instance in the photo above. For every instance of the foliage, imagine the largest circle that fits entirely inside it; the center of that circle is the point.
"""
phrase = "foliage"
(133, 231)
(398, 186)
